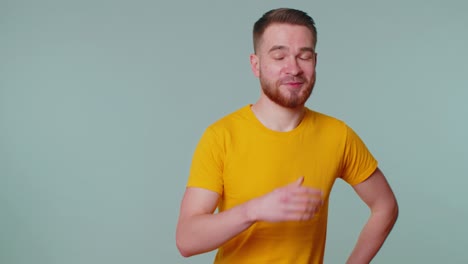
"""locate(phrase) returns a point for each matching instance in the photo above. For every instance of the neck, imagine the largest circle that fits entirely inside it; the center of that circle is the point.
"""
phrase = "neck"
(276, 117)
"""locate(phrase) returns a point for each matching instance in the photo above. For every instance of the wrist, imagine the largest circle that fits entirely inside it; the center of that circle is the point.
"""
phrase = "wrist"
(250, 212)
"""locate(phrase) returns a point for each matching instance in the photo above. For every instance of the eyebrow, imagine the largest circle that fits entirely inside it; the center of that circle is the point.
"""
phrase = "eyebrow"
(281, 47)
(277, 47)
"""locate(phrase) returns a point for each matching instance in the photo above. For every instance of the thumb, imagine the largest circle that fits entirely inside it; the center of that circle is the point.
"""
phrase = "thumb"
(298, 182)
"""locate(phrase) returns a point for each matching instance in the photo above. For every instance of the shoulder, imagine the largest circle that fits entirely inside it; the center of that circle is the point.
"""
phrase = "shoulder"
(323, 121)
(231, 121)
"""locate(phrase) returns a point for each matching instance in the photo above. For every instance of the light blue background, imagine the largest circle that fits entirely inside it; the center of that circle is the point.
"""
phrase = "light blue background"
(103, 102)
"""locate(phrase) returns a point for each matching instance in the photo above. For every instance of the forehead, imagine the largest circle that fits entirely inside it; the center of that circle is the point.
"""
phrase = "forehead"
(291, 36)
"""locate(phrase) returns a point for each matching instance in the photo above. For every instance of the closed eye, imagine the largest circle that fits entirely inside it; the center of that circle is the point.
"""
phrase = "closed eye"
(306, 56)
(278, 56)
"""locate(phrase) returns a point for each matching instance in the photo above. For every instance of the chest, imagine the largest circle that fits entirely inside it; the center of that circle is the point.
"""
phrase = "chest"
(256, 166)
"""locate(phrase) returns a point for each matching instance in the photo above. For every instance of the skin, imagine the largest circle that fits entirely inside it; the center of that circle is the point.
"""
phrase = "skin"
(285, 64)
(199, 230)
(376, 193)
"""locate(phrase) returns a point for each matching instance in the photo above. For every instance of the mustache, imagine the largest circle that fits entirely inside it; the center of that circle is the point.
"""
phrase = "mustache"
(292, 79)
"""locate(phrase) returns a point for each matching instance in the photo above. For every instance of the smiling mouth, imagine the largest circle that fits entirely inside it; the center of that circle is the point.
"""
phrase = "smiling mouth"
(294, 84)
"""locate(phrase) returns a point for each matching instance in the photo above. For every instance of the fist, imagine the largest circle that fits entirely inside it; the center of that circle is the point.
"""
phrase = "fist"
(292, 202)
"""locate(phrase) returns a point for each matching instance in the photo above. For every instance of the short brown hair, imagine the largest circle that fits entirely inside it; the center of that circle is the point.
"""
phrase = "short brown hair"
(283, 16)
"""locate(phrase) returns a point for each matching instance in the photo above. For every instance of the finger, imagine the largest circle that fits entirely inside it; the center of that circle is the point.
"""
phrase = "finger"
(304, 200)
(302, 190)
(302, 197)
(302, 207)
(301, 211)
(301, 216)
(296, 215)
(297, 182)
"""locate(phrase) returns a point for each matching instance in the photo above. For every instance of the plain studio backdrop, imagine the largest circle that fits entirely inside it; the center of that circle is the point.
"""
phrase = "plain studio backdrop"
(102, 103)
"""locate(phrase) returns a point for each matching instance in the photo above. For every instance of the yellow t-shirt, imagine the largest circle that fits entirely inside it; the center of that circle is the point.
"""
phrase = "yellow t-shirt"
(241, 159)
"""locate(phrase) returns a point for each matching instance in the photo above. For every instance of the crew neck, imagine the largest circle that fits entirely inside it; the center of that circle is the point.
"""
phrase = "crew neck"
(251, 115)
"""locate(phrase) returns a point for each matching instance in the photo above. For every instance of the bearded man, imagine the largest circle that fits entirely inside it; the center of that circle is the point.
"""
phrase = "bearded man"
(269, 167)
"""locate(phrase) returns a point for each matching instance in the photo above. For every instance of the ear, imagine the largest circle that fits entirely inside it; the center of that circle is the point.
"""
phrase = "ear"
(255, 65)
(315, 64)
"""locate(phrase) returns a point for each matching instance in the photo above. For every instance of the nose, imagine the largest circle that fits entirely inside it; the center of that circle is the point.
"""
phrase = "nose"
(292, 67)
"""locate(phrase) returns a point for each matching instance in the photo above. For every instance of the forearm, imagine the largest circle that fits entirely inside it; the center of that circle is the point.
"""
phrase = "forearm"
(202, 233)
(373, 236)
(199, 230)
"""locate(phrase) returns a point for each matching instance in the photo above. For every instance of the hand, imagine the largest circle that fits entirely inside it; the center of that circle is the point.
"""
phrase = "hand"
(292, 202)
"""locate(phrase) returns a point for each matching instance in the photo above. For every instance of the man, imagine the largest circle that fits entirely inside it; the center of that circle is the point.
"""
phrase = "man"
(269, 167)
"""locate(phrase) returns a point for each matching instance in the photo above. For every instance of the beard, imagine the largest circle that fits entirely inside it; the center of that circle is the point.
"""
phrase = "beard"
(289, 98)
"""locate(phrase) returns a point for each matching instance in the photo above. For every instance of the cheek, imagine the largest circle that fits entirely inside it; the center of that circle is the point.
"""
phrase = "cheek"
(309, 71)
(271, 70)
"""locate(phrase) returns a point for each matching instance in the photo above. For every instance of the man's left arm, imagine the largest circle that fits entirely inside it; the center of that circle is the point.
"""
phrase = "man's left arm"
(377, 194)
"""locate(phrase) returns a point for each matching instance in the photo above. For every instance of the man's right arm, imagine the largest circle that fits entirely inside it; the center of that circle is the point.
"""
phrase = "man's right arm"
(199, 230)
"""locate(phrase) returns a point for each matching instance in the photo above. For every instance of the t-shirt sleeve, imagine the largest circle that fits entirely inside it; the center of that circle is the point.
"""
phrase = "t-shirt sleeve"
(206, 170)
(358, 162)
